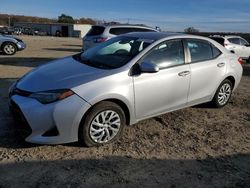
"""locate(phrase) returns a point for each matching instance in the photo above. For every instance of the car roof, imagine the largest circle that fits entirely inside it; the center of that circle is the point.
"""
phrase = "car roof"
(226, 36)
(124, 25)
(155, 35)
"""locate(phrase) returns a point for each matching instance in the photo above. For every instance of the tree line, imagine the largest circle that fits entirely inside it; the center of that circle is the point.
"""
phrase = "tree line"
(9, 20)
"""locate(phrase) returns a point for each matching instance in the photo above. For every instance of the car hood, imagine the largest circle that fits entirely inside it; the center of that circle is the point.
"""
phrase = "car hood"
(8, 37)
(64, 73)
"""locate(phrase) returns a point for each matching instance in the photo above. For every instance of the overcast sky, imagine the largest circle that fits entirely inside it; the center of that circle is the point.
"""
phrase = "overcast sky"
(171, 15)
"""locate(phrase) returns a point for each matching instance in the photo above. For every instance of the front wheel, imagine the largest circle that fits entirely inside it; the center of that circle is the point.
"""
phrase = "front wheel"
(103, 124)
(9, 48)
(222, 94)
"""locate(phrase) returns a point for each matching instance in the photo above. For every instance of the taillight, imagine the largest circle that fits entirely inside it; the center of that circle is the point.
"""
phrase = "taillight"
(240, 60)
(99, 40)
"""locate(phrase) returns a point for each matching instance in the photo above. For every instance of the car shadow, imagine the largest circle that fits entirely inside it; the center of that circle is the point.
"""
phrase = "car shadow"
(63, 49)
(24, 61)
(246, 69)
(122, 171)
(73, 45)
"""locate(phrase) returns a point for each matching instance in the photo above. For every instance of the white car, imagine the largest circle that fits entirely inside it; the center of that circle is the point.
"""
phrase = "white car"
(236, 44)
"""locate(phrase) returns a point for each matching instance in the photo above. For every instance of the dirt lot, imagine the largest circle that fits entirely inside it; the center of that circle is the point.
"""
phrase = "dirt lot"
(194, 147)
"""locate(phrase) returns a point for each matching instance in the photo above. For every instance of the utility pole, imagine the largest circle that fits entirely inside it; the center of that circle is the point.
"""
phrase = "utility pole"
(9, 21)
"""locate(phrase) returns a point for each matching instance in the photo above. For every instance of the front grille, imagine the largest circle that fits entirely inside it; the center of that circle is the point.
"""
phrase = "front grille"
(51, 132)
(19, 117)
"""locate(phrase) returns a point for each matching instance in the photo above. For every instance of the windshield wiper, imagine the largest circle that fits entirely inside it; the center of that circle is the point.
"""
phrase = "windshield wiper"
(103, 65)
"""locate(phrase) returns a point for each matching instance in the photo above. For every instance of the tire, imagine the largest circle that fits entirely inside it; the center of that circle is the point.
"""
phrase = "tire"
(9, 48)
(94, 131)
(223, 94)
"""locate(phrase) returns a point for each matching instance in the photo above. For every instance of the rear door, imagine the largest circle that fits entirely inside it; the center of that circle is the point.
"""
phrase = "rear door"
(207, 68)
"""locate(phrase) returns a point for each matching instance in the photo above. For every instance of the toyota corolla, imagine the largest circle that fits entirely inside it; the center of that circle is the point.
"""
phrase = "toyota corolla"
(89, 97)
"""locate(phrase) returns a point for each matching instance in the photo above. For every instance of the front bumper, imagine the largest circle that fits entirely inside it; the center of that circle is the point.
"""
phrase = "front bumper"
(64, 115)
(21, 46)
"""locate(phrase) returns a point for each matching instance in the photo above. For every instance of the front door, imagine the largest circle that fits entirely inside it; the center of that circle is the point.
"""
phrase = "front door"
(166, 90)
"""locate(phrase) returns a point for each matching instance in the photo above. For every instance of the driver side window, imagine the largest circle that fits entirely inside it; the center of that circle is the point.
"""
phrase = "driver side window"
(167, 54)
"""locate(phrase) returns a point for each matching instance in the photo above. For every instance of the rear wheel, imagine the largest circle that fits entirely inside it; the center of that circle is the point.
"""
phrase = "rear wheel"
(223, 94)
(103, 124)
(9, 48)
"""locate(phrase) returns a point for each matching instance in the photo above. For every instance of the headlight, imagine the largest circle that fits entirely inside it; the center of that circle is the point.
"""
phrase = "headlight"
(51, 96)
(19, 40)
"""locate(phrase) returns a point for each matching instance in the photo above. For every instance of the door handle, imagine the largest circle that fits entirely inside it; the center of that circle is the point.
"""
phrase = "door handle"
(220, 64)
(184, 73)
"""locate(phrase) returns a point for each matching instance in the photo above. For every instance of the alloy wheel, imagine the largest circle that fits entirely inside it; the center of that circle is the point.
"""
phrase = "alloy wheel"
(224, 94)
(105, 126)
(9, 49)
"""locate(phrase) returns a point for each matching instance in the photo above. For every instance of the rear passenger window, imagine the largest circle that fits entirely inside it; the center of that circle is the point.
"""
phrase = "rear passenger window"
(124, 30)
(121, 30)
(200, 50)
(216, 51)
(142, 30)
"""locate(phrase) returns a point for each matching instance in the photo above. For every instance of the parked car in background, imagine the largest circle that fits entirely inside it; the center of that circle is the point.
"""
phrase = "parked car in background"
(6, 30)
(236, 44)
(135, 76)
(10, 45)
(39, 32)
(100, 33)
(18, 30)
(28, 31)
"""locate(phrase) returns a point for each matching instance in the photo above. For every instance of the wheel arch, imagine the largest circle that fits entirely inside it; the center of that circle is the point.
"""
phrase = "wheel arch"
(119, 102)
(4, 42)
(231, 79)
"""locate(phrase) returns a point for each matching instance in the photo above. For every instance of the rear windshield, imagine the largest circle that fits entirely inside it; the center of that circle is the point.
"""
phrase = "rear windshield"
(219, 40)
(95, 30)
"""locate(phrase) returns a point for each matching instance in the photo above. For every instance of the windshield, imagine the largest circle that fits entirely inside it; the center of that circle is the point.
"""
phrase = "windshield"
(114, 53)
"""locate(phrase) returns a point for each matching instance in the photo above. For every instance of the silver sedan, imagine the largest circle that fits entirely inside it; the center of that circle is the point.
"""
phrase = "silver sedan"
(89, 97)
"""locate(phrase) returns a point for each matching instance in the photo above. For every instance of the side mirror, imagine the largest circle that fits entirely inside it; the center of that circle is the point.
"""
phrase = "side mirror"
(247, 45)
(148, 67)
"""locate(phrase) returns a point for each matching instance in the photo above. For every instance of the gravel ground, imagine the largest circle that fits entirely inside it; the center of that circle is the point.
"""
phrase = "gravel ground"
(194, 147)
